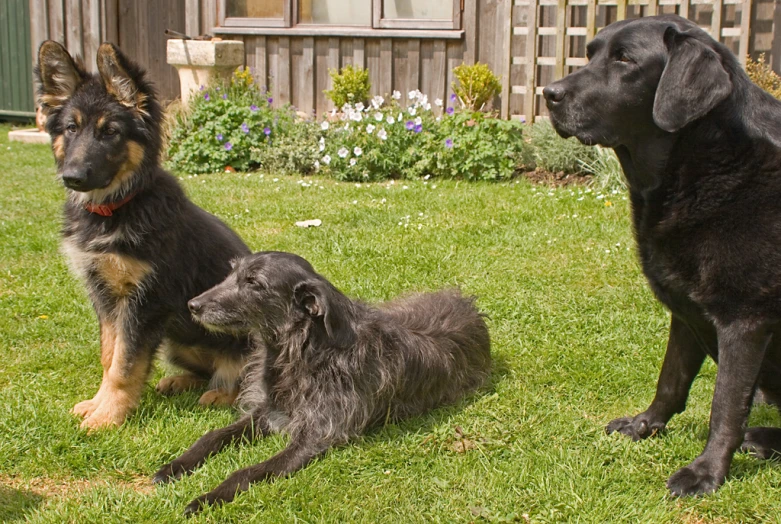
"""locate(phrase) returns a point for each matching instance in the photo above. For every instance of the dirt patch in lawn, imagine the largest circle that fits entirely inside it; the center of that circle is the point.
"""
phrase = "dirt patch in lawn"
(67, 486)
(559, 179)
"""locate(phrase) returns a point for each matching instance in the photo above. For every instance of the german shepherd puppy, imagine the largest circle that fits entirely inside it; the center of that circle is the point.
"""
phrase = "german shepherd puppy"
(325, 367)
(130, 233)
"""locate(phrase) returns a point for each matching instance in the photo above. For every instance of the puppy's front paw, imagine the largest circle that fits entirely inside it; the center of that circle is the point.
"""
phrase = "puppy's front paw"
(178, 384)
(169, 473)
(764, 443)
(104, 417)
(85, 408)
(638, 428)
(197, 505)
(698, 478)
(218, 397)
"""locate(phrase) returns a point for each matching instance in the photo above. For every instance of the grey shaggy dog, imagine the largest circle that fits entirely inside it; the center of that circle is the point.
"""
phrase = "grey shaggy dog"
(326, 368)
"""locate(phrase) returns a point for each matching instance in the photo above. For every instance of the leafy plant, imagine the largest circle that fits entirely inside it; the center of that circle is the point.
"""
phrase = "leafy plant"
(477, 85)
(351, 85)
(607, 170)
(763, 75)
(223, 124)
(292, 151)
(555, 154)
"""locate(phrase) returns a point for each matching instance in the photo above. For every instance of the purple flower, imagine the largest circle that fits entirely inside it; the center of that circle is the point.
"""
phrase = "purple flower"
(449, 143)
(206, 97)
(225, 96)
(219, 137)
(453, 97)
(245, 127)
(202, 87)
(410, 125)
(267, 131)
(218, 88)
(419, 128)
(228, 146)
(270, 100)
(523, 120)
(449, 110)
(253, 107)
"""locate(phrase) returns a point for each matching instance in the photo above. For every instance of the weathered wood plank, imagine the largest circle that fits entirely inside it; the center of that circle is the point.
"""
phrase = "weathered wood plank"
(192, 18)
(346, 51)
(303, 74)
(372, 64)
(413, 64)
(507, 61)
(111, 24)
(400, 77)
(272, 60)
(39, 26)
(439, 72)
(715, 30)
(208, 16)
(322, 78)
(91, 39)
(562, 12)
(57, 20)
(745, 31)
(359, 52)
(386, 66)
(283, 70)
(529, 99)
(470, 18)
(255, 51)
(73, 28)
(455, 53)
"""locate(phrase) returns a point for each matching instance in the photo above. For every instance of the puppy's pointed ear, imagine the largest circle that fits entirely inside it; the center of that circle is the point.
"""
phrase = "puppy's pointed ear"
(121, 78)
(692, 84)
(321, 302)
(59, 75)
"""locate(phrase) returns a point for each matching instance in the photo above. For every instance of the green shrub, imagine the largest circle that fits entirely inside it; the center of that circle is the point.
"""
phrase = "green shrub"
(555, 154)
(292, 152)
(386, 141)
(223, 124)
(763, 75)
(350, 86)
(477, 85)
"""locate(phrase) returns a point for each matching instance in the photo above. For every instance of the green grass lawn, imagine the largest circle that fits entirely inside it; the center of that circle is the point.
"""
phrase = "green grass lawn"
(577, 339)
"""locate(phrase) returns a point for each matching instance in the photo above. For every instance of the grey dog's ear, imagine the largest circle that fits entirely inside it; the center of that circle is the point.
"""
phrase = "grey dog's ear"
(323, 303)
(692, 84)
(59, 74)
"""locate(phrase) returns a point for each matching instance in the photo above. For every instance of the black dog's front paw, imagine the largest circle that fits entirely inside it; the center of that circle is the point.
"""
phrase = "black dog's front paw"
(764, 443)
(638, 428)
(169, 473)
(207, 499)
(698, 478)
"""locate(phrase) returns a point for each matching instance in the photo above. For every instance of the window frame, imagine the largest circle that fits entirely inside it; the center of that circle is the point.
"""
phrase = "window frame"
(379, 25)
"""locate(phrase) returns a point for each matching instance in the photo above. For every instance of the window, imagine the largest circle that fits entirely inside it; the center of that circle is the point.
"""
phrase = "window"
(366, 14)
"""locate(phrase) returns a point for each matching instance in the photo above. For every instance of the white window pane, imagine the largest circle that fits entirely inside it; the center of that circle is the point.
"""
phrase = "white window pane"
(255, 8)
(335, 12)
(418, 9)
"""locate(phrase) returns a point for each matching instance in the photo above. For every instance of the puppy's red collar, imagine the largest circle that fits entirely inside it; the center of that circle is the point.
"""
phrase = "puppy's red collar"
(106, 210)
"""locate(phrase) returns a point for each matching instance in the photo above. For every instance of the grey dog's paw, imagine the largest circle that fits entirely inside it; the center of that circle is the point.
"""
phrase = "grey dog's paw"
(638, 428)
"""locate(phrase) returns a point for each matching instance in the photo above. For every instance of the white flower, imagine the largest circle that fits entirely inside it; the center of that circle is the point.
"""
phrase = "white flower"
(382, 134)
(325, 125)
(400, 117)
(359, 106)
(370, 128)
(412, 95)
(418, 121)
(352, 162)
(438, 102)
(356, 115)
(427, 106)
(343, 152)
(358, 151)
(412, 111)
(378, 117)
(317, 165)
(322, 143)
(390, 120)
(423, 99)
(396, 95)
(347, 107)
(377, 101)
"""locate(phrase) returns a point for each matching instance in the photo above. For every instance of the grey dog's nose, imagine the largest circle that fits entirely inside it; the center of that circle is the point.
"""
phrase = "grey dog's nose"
(554, 93)
(194, 306)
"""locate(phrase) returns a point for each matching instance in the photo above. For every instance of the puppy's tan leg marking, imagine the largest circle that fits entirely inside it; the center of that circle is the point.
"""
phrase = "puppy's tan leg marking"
(121, 387)
(108, 337)
(179, 383)
(218, 397)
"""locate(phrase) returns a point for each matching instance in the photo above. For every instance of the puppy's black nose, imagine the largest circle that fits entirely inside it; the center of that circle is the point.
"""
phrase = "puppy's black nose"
(194, 306)
(75, 178)
(554, 94)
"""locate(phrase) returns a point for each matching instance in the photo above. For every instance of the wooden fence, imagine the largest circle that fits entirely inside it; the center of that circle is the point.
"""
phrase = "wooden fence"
(546, 39)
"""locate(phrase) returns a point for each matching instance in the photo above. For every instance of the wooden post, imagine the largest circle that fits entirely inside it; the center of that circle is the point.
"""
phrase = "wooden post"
(561, 39)
(529, 98)
(591, 20)
(745, 29)
(715, 28)
(507, 55)
(620, 10)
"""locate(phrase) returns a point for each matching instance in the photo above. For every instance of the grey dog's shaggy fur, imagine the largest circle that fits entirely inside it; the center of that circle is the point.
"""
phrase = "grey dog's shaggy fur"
(325, 368)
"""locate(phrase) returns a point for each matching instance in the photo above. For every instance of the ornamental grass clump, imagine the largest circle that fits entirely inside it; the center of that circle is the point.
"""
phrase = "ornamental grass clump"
(224, 123)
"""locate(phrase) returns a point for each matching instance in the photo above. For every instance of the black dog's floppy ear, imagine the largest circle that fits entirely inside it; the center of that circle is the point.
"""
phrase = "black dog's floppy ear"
(321, 302)
(692, 84)
(59, 74)
(120, 77)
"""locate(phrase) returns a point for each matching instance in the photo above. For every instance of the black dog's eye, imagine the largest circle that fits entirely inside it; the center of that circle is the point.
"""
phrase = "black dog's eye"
(110, 131)
(254, 282)
(624, 59)
(72, 128)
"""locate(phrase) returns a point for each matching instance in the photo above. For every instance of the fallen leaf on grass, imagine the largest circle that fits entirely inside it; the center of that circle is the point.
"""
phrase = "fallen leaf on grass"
(309, 223)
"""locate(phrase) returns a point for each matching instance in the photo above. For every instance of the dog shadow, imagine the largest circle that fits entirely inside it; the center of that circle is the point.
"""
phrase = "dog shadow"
(17, 504)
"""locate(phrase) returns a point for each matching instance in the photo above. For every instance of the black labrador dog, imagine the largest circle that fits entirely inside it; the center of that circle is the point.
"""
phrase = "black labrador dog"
(700, 146)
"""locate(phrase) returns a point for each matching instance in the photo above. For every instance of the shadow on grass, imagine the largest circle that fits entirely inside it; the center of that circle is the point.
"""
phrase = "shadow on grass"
(17, 504)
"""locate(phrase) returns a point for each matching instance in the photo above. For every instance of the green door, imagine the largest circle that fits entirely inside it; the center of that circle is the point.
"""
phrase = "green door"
(16, 71)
